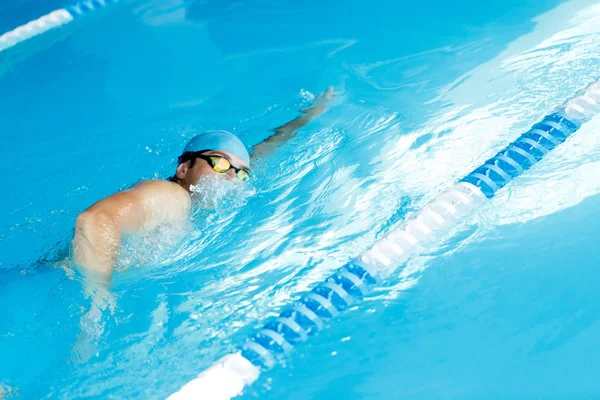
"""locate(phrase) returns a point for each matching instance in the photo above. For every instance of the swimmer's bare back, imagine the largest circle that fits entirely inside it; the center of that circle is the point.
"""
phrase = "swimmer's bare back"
(98, 229)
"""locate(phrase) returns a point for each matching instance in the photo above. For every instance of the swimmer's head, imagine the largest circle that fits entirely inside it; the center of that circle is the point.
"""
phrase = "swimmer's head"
(219, 140)
(218, 153)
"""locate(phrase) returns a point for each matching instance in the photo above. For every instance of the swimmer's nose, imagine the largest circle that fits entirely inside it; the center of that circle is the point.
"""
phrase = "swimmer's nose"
(230, 173)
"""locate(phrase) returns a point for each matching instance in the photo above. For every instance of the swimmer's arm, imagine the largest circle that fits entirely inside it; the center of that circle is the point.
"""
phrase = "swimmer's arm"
(287, 131)
(98, 230)
(97, 235)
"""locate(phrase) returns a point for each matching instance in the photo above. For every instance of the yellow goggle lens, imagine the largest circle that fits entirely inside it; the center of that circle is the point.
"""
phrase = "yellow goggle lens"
(220, 164)
(243, 175)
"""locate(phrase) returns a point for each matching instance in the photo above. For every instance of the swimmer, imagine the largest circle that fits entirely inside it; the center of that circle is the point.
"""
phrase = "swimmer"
(98, 230)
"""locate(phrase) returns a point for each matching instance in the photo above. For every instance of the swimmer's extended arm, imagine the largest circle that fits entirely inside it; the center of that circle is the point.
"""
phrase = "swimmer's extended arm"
(287, 131)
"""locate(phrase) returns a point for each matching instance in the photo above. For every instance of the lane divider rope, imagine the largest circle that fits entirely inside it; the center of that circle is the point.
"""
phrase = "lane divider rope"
(51, 21)
(227, 377)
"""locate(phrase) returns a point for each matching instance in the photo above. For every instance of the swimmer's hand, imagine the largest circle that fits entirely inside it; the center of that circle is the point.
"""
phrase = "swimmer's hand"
(321, 103)
(289, 130)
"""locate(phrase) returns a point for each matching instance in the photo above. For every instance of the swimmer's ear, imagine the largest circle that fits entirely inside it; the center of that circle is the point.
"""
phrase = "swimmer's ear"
(182, 170)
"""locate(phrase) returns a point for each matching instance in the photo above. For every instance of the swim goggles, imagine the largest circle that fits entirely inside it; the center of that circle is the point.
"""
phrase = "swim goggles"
(222, 165)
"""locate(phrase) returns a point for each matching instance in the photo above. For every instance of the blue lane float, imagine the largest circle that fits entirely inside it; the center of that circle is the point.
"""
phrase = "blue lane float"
(227, 377)
(522, 154)
(51, 21)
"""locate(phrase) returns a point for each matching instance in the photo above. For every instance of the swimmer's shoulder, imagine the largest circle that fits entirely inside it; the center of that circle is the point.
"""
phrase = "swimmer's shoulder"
(161, 202)
(160, 184)
(161, 187)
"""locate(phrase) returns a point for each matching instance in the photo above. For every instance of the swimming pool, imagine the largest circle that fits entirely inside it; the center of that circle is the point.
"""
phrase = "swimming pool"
(503, 308)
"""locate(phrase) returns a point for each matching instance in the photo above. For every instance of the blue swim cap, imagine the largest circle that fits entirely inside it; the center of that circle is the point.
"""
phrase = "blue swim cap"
(218, 140)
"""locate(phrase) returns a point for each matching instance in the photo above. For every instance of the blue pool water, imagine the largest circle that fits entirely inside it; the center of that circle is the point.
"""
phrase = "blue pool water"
(505, 307)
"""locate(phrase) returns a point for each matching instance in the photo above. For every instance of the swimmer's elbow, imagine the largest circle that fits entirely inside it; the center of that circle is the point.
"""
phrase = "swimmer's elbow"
(85, 220)
(94, 224)
(95, 243)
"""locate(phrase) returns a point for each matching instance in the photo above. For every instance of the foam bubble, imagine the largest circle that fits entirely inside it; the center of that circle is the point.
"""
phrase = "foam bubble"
(215, 192)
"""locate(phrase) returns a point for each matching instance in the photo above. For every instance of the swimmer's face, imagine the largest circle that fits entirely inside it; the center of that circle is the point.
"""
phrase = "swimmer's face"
(191, 174)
